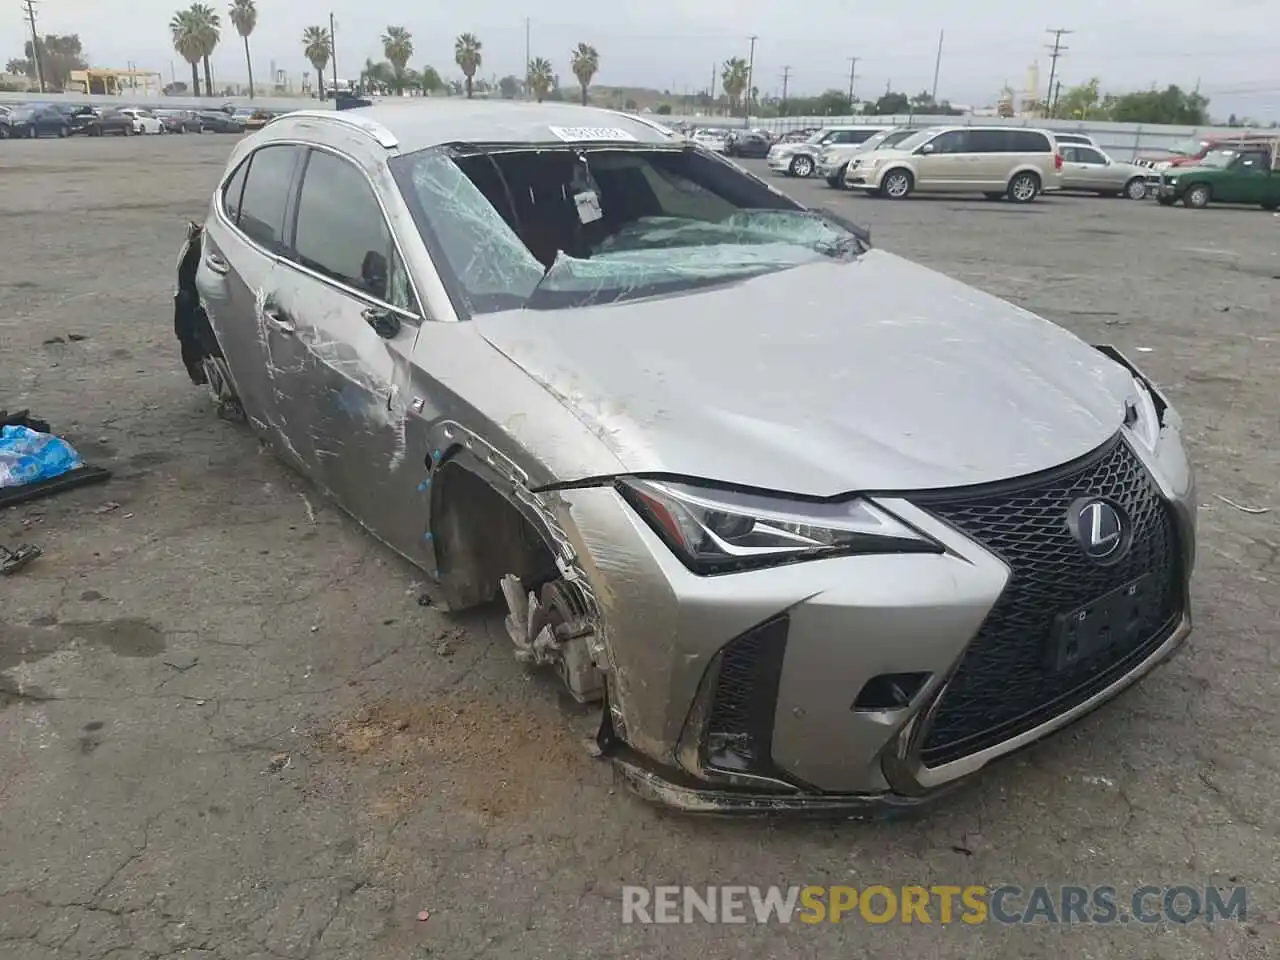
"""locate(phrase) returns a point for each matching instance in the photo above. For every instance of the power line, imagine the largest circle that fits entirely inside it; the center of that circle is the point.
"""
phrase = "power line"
(29, 8)
(1056, 49)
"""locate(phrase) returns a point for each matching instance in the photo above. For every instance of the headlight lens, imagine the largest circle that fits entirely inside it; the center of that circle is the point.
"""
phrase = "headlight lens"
(721, 531)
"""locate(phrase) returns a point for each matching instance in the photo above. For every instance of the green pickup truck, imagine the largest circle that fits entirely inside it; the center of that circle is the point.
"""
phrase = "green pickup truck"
(1246, 173)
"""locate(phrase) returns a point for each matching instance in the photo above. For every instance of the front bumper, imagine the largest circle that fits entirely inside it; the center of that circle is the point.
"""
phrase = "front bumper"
(850, 622)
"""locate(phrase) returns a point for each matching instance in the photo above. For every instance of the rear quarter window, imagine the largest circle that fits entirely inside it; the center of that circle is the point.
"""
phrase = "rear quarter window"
(1030, 141)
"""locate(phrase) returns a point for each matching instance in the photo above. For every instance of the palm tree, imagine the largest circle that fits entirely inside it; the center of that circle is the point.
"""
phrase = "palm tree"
(317, 47)
(397, 44)
(184, 28)
(210, 33)
(466, 53)
(733, 78)
(540, 78)
(586, 64)
(375, 77)
(244, 17)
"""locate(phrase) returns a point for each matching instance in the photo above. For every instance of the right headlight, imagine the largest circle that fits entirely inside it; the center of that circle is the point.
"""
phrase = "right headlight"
(716, 530)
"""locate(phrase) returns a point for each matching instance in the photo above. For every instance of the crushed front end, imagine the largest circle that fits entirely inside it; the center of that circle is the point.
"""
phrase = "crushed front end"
(869, 685)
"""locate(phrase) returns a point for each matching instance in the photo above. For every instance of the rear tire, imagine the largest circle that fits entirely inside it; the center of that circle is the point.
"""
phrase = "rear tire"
(836, 180)
(897, 184)
(1197, 197)
(1024, 187)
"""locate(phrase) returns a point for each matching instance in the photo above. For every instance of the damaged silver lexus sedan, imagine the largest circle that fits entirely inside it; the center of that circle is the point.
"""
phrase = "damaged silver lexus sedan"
(818, 528)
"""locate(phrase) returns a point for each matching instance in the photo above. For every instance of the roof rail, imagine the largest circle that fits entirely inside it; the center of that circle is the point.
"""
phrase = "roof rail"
(371, 128)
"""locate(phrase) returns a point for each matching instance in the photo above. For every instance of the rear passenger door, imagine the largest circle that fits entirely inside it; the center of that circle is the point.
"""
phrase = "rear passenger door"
(236, 277)
(352, 321)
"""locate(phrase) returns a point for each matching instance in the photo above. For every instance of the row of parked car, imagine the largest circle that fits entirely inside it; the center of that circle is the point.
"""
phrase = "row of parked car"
(1021, 163)
(31, 120)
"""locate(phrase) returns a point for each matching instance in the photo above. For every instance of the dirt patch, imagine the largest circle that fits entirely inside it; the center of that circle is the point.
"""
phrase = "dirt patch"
(495, 759)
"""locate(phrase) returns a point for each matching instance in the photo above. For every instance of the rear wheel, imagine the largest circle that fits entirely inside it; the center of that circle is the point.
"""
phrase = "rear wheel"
(897, 184)
(1136, 189)
(1024, 187)
(62, 132)
(1196, 197)
(801, 166)
(836, 180)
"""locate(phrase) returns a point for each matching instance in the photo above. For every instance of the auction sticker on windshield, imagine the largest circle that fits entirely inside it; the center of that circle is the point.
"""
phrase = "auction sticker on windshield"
(572, 134)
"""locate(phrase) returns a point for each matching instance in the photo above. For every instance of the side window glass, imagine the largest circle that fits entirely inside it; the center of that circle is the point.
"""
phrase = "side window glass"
(266, 194)
(399, 290)
(1069, 153)
(232, 192)
(1087, 155)
(341, 231)
(953, 141)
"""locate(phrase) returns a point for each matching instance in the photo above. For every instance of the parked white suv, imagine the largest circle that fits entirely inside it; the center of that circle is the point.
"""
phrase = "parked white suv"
(999, 161)
(801, 159)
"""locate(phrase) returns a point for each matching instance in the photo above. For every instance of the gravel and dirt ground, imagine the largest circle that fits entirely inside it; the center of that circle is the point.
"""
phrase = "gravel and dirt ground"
(229, 731)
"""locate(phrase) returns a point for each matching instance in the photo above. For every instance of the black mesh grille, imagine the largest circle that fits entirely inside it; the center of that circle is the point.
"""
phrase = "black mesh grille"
(739, 730)
(1006, 682)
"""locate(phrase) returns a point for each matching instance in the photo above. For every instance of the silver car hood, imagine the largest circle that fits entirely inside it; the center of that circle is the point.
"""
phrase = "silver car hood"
(875, 374)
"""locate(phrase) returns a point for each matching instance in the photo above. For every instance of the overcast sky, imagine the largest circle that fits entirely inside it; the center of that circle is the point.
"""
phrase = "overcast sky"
(1230, 46)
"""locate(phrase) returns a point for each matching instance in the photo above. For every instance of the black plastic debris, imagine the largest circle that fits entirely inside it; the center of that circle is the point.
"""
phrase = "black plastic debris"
(11, 561)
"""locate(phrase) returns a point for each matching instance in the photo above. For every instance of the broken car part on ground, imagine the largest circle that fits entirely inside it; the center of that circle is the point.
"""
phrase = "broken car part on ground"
(836, 563)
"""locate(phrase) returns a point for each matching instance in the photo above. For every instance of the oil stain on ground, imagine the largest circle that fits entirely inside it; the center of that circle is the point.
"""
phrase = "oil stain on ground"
(25, 644)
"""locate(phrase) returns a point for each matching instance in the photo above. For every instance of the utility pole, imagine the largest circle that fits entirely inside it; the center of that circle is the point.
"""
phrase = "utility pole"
(853, 65)
(786, 76)
(751, 69)
(333, 53)
(937, 66)
(528, 58)
(29, 7)
(1056, 49)
(712, 105)
(1057, 92)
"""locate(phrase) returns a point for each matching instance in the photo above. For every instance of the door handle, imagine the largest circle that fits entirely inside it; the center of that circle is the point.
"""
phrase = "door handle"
(280, 321)
(216, 263)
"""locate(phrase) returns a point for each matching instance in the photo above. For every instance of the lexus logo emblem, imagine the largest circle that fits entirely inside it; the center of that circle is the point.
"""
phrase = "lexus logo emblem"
(1100, 529)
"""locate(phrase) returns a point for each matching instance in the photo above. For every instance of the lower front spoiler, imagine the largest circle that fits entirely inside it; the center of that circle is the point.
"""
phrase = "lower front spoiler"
(650, 785)
(926, 787)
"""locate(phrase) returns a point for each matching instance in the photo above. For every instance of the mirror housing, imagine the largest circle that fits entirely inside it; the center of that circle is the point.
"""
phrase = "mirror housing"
(927, 148)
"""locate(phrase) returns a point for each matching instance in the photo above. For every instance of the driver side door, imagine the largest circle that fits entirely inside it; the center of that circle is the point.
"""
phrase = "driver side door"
(349, 323)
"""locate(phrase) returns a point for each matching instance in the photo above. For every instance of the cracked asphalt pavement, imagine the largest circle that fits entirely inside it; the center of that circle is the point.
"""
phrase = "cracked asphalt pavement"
(229, 731)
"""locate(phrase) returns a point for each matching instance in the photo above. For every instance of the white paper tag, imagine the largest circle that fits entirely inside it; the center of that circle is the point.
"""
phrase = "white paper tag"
(572, 134)
(588, 204)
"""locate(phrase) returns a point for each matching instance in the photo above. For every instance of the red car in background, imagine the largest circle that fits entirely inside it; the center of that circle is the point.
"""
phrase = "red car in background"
(1191, 151)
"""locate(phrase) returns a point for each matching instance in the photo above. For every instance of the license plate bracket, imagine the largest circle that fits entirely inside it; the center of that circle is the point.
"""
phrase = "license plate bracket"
(1114, 619)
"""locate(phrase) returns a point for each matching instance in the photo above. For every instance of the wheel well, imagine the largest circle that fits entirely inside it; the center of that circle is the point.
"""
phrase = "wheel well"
(480, 536)
(907, 170)
(1034, 174)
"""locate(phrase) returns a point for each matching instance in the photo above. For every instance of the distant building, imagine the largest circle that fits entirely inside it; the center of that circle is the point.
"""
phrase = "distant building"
(114, 82)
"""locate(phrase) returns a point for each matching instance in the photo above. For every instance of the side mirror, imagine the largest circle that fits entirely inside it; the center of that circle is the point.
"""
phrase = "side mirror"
(927, 148)
(383, 322)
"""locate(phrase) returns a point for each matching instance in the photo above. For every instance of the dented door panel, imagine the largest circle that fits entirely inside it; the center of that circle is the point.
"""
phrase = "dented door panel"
(344, 396)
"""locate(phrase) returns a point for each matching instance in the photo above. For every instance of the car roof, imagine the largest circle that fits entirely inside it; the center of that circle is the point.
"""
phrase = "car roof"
(432, 121)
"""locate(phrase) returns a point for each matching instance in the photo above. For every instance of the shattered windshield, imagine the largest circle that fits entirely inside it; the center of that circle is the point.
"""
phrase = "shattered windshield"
(554, 228)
